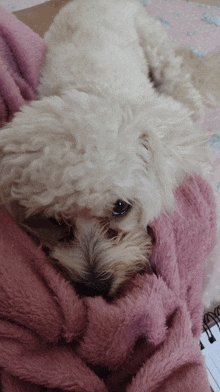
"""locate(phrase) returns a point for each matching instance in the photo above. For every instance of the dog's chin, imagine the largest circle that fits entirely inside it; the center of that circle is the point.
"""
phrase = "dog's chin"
(99, 266)
(110, 288)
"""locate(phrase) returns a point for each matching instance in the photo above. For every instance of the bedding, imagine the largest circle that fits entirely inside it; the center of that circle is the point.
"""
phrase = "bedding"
(21, 55)
(51, 339)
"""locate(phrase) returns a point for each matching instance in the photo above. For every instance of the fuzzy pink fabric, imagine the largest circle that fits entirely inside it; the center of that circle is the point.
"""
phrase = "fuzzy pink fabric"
(21, 54)
(145, 340)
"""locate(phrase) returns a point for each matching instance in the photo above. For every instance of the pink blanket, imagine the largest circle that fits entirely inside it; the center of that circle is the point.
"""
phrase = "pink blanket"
(21, 54)
(52, 339)
(144, 341)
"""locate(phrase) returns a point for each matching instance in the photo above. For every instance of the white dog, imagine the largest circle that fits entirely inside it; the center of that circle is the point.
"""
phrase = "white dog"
(88, 166)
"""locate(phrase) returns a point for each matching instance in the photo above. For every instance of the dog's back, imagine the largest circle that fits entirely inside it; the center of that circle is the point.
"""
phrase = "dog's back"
(94, 46)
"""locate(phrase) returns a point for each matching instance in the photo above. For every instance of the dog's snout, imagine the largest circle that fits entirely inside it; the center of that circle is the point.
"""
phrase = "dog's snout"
(94, 287)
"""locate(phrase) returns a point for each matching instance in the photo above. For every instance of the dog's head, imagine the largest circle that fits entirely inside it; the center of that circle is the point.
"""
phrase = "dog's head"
(84, 177)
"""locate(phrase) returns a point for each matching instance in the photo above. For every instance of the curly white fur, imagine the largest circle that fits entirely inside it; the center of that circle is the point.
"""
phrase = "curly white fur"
(114, 121)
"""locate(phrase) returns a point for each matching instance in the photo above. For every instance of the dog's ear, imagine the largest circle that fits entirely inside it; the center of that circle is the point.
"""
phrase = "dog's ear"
(29, 146)
(161, 178)
(170, 147)
(47, 231)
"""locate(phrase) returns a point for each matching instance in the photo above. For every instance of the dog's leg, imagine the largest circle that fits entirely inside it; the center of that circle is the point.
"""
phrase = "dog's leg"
(205, 74)
(165, 66)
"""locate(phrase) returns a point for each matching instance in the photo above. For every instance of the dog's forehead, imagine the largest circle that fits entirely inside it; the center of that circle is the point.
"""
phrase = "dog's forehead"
(98, 195)
(106, 138)
(106, 164)
(92, 116)
(90, 159)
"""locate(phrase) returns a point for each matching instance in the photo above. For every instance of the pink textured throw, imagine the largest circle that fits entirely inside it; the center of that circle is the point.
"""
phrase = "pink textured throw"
(21, 54)
(146, 340)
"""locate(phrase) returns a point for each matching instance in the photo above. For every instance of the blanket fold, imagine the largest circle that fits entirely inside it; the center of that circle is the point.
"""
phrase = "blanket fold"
(21, 54)
(145, 340)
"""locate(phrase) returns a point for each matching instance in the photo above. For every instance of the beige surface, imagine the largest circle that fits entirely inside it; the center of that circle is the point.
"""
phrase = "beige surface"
(40, 17)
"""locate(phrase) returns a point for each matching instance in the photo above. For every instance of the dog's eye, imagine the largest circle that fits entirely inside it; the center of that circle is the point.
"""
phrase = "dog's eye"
(69, 236)
(48, 229)
(121, 208)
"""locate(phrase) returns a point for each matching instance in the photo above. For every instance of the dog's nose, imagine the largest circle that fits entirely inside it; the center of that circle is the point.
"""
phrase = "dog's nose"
(93, 288)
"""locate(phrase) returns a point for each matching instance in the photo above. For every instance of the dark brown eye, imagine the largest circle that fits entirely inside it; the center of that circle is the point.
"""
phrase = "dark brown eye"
(66, 231)
(121, 208)
(48, 230)
(69, 236)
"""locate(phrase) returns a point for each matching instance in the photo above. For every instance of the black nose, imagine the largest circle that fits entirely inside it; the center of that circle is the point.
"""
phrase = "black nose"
(93, 288)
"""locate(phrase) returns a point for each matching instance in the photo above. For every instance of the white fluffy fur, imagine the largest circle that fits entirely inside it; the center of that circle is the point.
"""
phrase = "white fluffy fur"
(115, 120)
